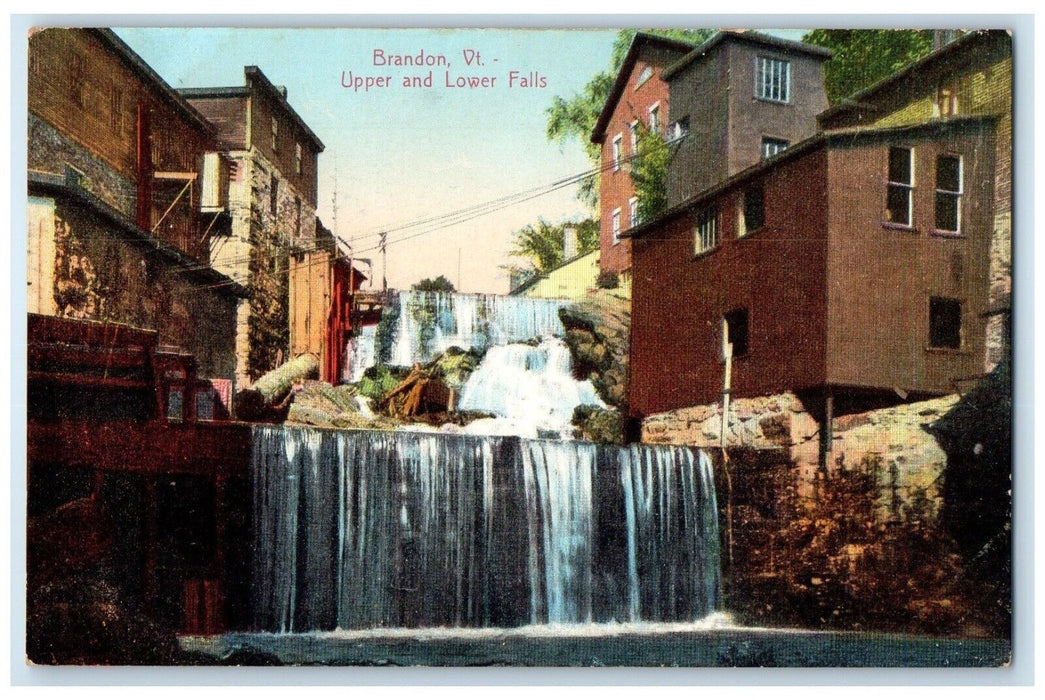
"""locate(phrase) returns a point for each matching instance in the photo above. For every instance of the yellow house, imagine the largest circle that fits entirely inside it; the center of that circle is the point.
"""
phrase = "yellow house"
(571, 280)
(969, 76)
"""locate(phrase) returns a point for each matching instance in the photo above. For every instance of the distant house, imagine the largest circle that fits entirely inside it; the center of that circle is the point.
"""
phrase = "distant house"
(571, 280)
(722, 106)
(970, 76)
(852, 266)
(272, 157)
(117, 230)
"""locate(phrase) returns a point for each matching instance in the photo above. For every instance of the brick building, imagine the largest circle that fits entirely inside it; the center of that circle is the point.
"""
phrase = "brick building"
(272, 158)
(117, 228)
(829, 270)
(639, 95)
(739, 98)
(969, 76)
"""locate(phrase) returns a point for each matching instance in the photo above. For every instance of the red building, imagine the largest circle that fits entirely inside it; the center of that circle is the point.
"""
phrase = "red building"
(638, 96)
(853, 264)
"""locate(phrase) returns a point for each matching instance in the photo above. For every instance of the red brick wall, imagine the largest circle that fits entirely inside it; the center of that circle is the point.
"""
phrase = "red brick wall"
(615, 187)
(778, 273)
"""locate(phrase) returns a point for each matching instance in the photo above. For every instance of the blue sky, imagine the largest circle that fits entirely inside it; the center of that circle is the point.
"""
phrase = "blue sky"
(402, 154)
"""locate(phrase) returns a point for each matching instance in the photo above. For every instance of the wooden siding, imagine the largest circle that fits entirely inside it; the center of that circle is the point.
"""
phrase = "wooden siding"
(262, 110)
(228, 115)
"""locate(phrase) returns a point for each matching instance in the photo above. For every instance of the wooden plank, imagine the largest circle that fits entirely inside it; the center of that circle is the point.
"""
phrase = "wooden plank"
(88, 380)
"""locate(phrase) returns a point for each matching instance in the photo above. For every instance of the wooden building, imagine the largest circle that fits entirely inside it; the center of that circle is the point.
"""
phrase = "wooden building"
(118, 230)
(273, 159)
(323, 283)
(971, 75)
(852, 265)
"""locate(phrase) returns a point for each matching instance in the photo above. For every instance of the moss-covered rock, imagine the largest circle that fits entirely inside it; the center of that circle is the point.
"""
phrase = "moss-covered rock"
(597, 334)
(600, 425)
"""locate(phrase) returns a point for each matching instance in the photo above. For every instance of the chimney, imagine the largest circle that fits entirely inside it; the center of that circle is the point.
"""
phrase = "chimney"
(569, 242)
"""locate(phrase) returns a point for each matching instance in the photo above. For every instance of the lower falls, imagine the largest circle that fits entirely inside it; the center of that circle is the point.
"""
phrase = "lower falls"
(363, 529)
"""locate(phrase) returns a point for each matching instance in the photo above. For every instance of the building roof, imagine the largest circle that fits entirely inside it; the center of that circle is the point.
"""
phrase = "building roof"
(749, 37)
(865, 97)
(55, 185)
(255, 78)
(823, 139)
(139, 66)
(638, 42)
(534, 279)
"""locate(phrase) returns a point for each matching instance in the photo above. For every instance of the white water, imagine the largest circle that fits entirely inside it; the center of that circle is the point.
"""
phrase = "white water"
(428, 323)
(530, 389)
(360, 529)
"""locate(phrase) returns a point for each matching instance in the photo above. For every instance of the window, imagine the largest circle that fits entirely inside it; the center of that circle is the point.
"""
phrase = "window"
(679, 129)
(275, 134)
(297, 158)
(735, 333)
(633, 128)
(297, 216)
(945, 323)
(772, 79)
(654, 119)
(706, 230)
(617, 140)
(772, 146)
(946, 103)
(901, 182)
(633, 212)
(615, 219)
(645, 75)
(753, 211)
(77, 80)
(948, 193)
(273, 194)
(116, 110)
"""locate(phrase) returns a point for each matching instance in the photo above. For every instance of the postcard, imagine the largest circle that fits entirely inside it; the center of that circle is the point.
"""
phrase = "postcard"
(519, 347)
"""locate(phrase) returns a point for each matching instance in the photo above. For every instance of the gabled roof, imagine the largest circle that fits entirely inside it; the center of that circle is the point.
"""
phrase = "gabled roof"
(864, 97)
(836, 137)
(749, 37)
(638, 42)
(255, 78)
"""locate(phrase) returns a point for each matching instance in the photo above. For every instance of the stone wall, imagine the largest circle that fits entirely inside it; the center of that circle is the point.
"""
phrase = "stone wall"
(99, 275)
(906, 460)
(264, 231)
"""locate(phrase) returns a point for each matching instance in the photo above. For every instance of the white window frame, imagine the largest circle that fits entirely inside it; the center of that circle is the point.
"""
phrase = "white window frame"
(904, 186)
(634, 129)
(615, 225)
(773, 79)
(644, 75)
(705, 230)
(774, 143)
(955, 194)
(633, 212)
(654, 118)
(615, 151)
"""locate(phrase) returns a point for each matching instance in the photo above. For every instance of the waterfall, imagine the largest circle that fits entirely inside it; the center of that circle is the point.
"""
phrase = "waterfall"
(417, 326)
(530, 388)
(360, 529)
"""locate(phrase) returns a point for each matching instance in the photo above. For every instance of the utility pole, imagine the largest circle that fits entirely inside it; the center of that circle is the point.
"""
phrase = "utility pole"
(384, 260)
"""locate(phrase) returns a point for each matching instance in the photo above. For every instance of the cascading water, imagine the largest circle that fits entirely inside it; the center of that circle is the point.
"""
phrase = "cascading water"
(417, 326)
(357, 530)
(530, 388)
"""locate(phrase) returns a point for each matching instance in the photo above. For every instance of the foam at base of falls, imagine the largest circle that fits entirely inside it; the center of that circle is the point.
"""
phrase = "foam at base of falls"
(360, 529)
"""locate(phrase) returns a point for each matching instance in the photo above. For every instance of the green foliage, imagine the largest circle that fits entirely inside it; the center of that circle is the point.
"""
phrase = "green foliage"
(574, 117)
(544, 243)
(862, 57)
(439, 284)
(649, 173)
(377, 381)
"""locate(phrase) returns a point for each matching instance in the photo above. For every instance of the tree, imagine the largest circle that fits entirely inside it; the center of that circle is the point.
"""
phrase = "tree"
(649, 173)
(439, 284)
(862, 57)
(544, 244)
(574, 117)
